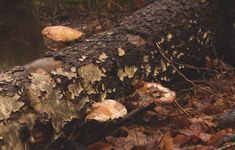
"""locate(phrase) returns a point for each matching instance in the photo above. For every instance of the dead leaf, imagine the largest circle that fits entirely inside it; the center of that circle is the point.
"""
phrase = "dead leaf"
(135, 138)
(100, 146)
(217, 139)
(181, 139)
(196, 134)
(166, 142)
(179, 121)
(218, 107)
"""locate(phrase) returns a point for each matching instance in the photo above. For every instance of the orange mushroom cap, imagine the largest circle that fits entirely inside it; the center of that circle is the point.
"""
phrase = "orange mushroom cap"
(61, 33)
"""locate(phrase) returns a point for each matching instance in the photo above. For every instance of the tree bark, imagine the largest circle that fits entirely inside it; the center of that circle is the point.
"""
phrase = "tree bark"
(48, 98)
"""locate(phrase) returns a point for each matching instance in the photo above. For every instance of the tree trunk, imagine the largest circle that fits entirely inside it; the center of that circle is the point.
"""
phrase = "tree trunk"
(226, 33)
(38, 106)
(20, 33)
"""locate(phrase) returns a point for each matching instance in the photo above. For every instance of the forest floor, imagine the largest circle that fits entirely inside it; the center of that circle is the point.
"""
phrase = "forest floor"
(202, 116)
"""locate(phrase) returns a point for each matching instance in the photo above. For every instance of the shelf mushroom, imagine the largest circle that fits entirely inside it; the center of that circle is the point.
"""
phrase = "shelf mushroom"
(62, 35)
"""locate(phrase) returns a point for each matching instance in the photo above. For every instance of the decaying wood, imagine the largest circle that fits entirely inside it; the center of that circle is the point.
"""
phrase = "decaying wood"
(46, 99)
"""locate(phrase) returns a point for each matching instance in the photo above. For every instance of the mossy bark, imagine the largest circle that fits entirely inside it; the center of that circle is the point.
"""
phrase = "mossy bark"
(47, 100)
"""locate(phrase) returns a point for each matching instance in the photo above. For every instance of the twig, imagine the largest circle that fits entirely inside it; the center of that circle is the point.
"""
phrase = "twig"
(193, 67)
(182, 109)
(227, 146)
(188, 80)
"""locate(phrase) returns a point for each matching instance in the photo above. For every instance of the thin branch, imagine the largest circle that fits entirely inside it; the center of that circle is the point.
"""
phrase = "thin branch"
(190, 81)
(182, 109)
(227, 146)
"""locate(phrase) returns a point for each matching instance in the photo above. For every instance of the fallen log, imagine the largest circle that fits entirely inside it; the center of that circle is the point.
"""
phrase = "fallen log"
(43, 100)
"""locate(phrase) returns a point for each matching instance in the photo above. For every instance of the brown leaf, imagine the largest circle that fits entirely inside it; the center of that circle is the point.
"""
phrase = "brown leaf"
(217, 139)
(100, 146)
(197, 131)
(218, 107)
(181, 139)
(135, 137)
(196, 134)
(166, 142)
(179, 121)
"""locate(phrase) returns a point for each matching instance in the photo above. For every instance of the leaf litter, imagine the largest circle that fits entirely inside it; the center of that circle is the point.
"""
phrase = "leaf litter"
(195, 119)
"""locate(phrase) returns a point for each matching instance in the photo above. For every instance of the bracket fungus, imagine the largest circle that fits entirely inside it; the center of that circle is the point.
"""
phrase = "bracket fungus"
(152, 92)
(106, 110)
(61, 33)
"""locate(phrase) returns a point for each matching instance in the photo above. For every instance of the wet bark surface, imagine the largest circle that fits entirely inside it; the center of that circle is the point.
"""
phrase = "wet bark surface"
(46, 101)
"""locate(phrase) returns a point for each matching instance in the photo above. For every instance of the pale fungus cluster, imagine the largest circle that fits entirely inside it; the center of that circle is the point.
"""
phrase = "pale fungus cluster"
(90, 73)
(102, 57)
(127, 72)
(121, 51)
